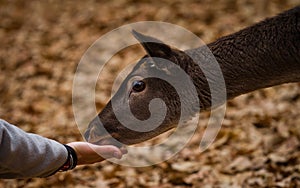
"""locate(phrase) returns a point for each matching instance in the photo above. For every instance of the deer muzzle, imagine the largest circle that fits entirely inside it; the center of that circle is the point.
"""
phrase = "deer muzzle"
(97, 134)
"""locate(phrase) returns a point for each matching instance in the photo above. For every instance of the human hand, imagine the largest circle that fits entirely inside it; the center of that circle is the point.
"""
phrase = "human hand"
(87, 153)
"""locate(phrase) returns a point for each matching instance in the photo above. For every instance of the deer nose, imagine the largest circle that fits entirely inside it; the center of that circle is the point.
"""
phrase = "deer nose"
(87, 135)
(95, 131)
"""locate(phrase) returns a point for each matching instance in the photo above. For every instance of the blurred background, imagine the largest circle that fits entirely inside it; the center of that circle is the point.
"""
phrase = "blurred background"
(42, 43)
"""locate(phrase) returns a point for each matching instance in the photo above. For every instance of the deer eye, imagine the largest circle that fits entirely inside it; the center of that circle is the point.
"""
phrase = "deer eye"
(138, 86)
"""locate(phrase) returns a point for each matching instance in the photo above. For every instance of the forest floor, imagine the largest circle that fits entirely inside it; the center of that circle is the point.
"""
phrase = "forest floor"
(42, 43)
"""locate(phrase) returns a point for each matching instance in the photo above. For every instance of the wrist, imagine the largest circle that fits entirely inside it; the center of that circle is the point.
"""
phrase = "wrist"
(71, 161)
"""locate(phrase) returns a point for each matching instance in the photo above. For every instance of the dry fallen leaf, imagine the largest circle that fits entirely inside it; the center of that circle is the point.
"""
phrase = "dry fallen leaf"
(238, 165)
(186, 166)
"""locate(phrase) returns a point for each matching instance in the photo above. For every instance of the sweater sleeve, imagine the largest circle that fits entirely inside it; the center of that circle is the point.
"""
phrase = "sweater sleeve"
(25, 155)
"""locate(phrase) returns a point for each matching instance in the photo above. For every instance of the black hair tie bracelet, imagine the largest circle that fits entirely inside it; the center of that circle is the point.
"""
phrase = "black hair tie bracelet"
(71, 161)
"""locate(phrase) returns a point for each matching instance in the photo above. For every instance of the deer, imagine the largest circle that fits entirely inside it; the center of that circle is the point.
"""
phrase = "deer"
(263, 55)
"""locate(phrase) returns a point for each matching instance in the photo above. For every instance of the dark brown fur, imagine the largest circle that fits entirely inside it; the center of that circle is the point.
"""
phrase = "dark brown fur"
(263, 55)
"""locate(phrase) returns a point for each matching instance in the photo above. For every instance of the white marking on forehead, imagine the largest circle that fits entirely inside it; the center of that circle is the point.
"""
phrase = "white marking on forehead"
(152, 64)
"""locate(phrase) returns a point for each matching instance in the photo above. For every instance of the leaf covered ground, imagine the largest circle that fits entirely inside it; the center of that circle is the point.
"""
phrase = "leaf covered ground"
(42, 43)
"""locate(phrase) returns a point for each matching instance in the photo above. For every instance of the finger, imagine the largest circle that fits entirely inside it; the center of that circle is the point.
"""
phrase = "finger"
(123, 150)
(108, 151)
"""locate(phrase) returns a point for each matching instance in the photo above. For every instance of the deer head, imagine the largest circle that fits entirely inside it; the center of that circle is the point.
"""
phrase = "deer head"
(263, 55)
(133, 100)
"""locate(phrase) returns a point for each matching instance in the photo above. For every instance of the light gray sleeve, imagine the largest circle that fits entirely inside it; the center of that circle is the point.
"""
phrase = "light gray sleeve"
(24, 155)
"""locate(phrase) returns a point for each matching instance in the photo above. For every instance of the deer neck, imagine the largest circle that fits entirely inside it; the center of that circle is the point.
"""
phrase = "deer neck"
(260, 56)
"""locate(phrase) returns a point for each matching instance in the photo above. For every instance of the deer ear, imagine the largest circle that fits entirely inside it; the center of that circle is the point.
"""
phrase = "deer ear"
(153, 46)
